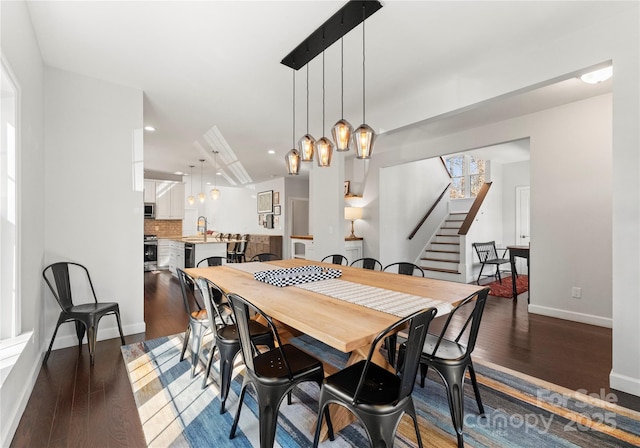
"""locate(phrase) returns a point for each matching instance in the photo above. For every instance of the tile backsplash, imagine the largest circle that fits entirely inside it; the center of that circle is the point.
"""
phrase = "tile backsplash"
(163, 228)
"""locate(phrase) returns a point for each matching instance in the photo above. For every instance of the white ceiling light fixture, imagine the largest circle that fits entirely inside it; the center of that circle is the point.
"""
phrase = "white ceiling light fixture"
(292, 158)
(215, 193)
(597, 76)
(149, 128)
(363, 136)
(323, 147)
(191, 199)
(342, 130)
(306, 142)
(201, 195)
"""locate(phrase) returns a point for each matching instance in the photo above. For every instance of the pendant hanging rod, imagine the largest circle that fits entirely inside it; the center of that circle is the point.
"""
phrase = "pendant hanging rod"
(337, 26)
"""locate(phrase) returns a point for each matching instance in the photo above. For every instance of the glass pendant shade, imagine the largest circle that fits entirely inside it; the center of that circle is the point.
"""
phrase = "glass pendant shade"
(324, 151)
(363, 139)
(215, 193)
(201, 197)
(305, 146)
(191, 200)
(292, 161)
(341, 132)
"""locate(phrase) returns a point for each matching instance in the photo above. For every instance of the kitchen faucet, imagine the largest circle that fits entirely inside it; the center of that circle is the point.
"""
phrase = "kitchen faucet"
(204, 226)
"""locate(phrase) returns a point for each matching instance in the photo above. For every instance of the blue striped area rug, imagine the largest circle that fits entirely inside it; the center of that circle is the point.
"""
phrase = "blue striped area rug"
(521, 411)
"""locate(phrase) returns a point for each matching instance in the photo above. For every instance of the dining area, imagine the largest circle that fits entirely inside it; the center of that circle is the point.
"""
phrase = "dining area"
(324, 313)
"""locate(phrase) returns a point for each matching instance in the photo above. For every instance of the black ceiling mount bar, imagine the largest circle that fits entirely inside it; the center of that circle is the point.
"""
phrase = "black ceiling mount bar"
(339, 24)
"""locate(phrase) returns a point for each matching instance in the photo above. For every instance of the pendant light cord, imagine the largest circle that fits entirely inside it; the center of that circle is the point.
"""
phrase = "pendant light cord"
(363, 70)
(293, 134)
(342, 78)
(323, 89)
(307, 98)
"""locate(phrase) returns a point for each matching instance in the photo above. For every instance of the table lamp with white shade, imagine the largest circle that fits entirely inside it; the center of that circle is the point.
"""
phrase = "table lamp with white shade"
(351, 214)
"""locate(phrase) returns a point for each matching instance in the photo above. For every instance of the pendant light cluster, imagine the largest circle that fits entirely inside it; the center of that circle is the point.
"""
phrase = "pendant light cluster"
(363, 138)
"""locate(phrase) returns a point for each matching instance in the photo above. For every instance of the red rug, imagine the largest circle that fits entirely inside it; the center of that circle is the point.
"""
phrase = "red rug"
(506, 289)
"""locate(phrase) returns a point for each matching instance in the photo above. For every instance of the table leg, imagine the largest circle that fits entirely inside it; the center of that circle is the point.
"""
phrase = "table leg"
(514, 276)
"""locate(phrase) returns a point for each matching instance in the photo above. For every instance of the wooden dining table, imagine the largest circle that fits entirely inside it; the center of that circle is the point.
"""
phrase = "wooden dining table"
(345, 326)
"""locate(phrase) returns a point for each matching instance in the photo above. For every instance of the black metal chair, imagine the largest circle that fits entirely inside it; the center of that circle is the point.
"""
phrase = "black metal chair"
(404, 268)
(377, 397)
(226, 337)
(368, 263)
(241, 248)
(198, 319)
(488, 255)
(336, 259)
(86, 315)
(265, 257)
(452, 357)
(211, 261)
(273, 373)
(232, 246)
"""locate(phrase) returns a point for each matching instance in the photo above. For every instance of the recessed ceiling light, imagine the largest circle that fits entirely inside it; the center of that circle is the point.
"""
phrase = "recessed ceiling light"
(598, 76)
(149, 128)
(271, 151)
(180, 173)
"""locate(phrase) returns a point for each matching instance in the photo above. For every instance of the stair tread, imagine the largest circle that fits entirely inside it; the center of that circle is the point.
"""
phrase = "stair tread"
(444, 234)
(443, 251)
(450, 244)
(448, 271)
(440, 260)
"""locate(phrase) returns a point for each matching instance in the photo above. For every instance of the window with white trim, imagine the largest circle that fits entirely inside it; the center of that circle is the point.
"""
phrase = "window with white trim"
(467, 175)
(9, 294)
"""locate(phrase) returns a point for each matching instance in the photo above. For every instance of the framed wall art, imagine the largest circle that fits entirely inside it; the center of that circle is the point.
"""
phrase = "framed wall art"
(277, 210)
(276, 198)
(265, 201)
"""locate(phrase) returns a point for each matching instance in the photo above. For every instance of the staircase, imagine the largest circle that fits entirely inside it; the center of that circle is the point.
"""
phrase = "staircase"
(441, 259)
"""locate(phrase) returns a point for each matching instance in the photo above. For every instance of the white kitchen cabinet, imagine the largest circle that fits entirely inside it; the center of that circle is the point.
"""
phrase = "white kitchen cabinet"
(149, 191)
(169, 200)
(164, 253)
(176, 256)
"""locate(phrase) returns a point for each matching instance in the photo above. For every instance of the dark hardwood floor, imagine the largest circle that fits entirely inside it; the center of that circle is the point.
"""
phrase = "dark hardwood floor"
(75, 405)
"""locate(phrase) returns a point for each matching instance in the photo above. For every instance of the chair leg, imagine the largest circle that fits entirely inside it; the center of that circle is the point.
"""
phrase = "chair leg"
(187, 333)
(195, 349)
(207, 371)
(80, 330)
(476, 389)
(424, 368)
(117, 313)
(269, 399)
(498, 273)
(53, 338)
(480, 274)
(91, 340)
(228, 353)
(232, 434)
(454, 383)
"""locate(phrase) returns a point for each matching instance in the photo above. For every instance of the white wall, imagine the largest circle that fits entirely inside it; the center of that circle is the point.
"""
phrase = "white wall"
(235, 211)
(93, 194)
(20, 50)
(409, 190)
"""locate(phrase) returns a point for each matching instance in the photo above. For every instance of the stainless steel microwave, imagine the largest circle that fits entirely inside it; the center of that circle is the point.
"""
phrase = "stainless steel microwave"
(149, 210)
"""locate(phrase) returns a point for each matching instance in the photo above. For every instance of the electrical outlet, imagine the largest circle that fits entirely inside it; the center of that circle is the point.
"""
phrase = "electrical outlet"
(576, 292)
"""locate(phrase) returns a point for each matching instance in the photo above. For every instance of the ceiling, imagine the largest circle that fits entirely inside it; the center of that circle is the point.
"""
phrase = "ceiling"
(210, 70)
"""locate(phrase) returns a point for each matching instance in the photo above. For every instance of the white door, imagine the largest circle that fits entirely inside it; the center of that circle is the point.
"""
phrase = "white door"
(522, 224)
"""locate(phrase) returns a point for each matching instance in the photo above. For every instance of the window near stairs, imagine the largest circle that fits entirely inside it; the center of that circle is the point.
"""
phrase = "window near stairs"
(467, 175)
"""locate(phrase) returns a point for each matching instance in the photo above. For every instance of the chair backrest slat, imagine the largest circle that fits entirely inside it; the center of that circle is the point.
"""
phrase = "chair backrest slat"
(486, 251)
(58, 279)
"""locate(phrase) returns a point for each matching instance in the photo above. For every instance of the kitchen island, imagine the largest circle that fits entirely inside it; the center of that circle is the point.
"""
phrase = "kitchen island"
(186, 252)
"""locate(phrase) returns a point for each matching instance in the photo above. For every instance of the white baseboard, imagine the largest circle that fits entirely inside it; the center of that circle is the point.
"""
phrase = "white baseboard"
(590, 319)
(9, 427)
(624, 383)
(70, 340)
